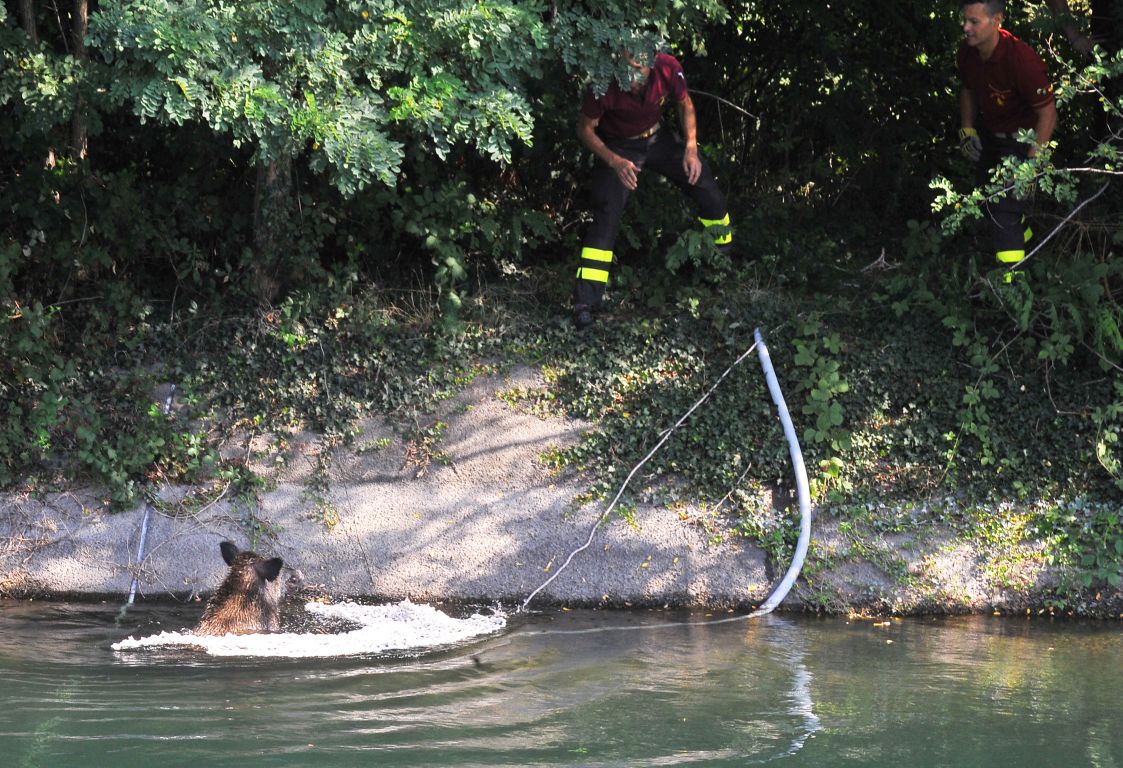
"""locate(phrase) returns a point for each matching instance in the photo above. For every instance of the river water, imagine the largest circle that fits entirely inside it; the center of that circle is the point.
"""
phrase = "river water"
(580, 688)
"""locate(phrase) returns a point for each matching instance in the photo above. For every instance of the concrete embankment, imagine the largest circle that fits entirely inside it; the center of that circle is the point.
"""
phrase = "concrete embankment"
(488, 523)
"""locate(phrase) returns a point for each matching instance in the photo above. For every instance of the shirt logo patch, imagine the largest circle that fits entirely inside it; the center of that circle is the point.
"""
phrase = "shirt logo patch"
(999, 95)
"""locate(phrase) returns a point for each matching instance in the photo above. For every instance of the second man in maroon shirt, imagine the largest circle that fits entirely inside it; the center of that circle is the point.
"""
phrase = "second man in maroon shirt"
(1005, 85)
(623, 129)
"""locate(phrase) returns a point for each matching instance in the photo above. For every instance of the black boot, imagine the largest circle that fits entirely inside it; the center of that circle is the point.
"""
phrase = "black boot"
(582, 316)
(587, 296)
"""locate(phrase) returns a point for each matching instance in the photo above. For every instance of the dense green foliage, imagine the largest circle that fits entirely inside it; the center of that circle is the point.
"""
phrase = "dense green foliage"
(307, 212)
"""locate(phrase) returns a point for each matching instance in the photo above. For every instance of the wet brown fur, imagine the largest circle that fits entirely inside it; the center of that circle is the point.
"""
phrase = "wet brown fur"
(249, 598)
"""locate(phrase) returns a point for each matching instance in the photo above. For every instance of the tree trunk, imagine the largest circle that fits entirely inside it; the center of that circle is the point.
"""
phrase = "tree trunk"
(27, 20)
(80, 26)
(272, 226)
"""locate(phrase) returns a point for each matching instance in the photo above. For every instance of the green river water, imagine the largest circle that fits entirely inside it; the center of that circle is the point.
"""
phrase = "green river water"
(580, 688)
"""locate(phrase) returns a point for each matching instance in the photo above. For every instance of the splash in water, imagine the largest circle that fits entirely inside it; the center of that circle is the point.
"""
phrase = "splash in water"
(381, 628)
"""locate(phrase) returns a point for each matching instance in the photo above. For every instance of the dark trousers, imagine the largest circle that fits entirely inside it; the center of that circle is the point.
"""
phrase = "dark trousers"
(661, 153)
(1008, 230)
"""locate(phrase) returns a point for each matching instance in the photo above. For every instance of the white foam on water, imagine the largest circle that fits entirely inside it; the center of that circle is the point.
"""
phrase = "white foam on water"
(392, 627)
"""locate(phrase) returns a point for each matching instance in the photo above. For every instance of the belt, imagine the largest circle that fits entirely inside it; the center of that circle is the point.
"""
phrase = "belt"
(646, 134)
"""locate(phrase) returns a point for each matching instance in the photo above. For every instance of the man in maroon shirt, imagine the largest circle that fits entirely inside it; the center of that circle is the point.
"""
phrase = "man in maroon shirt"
(622, 128)
(1004, 82)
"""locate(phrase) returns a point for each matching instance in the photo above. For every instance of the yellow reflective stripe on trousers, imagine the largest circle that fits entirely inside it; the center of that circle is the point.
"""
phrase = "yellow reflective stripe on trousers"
(722, 222)
(711, 222)
(596, 254)
(1010, 257)
(592, 275)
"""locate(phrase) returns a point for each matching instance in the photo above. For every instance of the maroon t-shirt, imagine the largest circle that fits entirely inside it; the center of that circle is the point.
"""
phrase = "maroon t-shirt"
(1009, 85)
(622, 114)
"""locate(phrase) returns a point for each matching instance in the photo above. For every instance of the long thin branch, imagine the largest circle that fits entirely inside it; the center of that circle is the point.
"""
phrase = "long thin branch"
(61, 28)
(1064, 221)
(999, 193)
(1101, 171)
(1100, 355)
(728, 104)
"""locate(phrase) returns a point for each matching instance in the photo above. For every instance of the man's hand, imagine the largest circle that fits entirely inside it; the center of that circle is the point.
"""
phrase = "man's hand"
(691, 165)
(626, 171)
(970, 144)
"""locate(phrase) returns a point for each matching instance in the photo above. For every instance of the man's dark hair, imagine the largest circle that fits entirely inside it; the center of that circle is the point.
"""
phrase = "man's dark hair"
(993, 6)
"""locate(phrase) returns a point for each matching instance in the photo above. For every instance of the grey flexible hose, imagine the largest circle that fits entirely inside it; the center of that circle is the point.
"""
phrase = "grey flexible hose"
(144, 521)
(802, 487)
(785, 585)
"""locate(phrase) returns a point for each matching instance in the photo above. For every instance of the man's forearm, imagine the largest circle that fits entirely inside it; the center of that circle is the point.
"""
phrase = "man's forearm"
(1046, 124)
(689, 123)
(1043, 130)
(587, 133)
(966, 108)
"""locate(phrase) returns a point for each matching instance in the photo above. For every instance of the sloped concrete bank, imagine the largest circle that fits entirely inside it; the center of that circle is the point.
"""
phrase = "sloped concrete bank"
(487, 524)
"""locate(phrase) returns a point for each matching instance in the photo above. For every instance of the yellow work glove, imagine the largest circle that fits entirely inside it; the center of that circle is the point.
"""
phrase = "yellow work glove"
(970, 144)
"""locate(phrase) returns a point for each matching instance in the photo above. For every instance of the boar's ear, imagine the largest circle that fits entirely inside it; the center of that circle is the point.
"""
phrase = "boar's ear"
(229, 551)
(269, 569)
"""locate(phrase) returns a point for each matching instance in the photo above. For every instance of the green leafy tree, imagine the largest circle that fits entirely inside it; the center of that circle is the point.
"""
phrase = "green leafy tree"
(343, 87)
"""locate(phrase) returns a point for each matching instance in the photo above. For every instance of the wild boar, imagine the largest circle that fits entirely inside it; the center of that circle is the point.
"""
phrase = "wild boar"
(249, 598)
